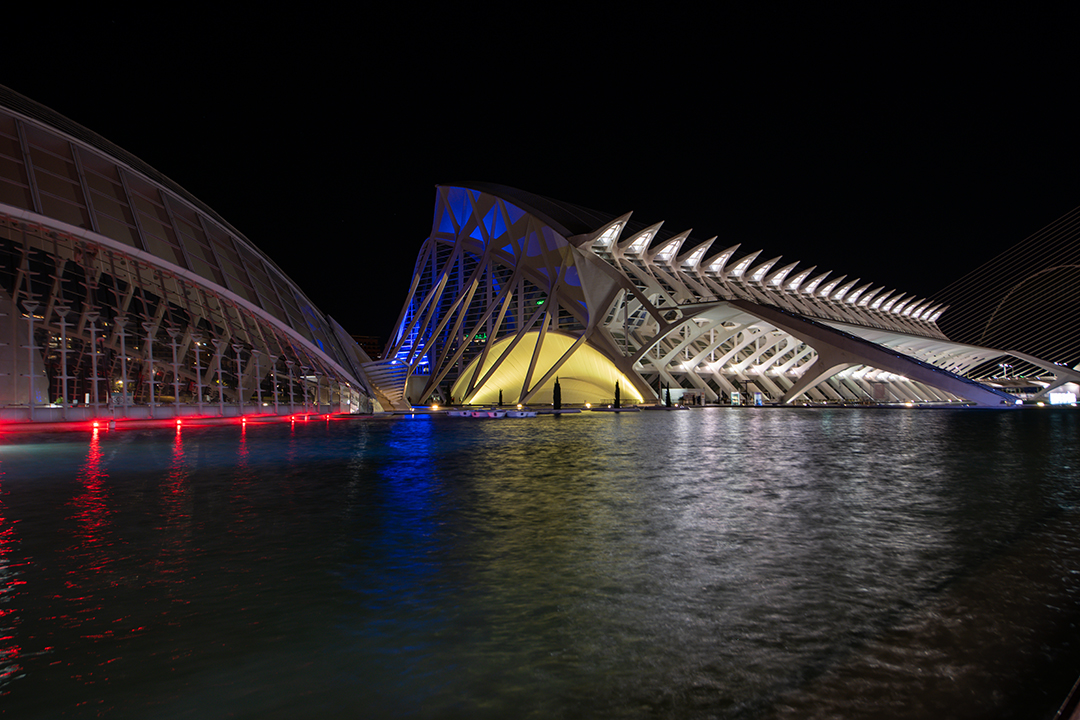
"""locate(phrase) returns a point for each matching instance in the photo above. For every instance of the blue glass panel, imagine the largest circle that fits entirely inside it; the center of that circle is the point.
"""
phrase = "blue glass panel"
(500, 225)
(514, 212)
(459, 203)
(508, 248)
(532, 245)
(476, 234)
(446, 225)
(551, 240)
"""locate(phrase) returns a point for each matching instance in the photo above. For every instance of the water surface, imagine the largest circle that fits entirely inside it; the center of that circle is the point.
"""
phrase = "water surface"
(727, 563)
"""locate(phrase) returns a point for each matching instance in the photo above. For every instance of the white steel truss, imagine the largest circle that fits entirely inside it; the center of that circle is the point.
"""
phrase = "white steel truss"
(501, 263)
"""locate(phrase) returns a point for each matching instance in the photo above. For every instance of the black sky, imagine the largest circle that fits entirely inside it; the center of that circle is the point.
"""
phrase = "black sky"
(902, 148)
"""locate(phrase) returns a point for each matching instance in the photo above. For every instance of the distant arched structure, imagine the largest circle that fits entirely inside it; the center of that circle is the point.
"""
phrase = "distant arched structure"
(1026, 299)
(1033, 312)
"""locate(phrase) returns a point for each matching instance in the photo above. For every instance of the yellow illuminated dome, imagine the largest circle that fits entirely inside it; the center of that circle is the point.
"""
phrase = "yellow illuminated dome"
(587, 376)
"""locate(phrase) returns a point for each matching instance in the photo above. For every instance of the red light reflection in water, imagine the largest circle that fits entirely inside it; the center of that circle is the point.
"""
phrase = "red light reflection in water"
(90, 581)
(174, 487)
(242, 451)
(92, 512)
(177, 468)
(244, 510)
(10, 652)
(177, 529)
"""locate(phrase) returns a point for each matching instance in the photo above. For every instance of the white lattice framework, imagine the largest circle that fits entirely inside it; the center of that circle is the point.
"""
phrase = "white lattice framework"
(666, 312)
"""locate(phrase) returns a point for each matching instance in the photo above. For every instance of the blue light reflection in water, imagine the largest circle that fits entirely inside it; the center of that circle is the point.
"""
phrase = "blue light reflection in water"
(708, 563)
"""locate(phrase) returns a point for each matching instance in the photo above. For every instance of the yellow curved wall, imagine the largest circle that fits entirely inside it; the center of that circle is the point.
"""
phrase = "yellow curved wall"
(586, 377)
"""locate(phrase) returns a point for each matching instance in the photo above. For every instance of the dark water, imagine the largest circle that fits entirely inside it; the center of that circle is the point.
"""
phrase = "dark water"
(710, 563)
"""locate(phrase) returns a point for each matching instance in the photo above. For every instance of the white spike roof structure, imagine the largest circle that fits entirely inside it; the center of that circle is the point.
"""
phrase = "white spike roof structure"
(716, 263)
(637, 244)
(776, 279)
(842, 290)
(692, 259)
(796, 282)
(853, 296)
(610, 235)
(708, 327)
(880, 299)
(892, 302)
(870, 295)
(666, 251)
(811, 286)
(739, 268)
(758, 272)
(827, 288)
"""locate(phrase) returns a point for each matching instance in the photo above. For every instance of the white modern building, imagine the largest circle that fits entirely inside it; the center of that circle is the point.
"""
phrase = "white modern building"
(122, 292)
(512, 290)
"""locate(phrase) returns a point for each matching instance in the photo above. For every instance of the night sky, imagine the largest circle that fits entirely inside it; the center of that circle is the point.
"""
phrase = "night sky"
(902, 148)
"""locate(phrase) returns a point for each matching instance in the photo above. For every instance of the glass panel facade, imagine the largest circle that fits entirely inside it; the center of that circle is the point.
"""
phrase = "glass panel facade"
(75, 180)
(154, 221)
(99, 284)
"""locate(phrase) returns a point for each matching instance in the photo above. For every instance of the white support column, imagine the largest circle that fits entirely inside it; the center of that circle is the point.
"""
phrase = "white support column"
(151, 330)
(258, 381)
(237, 347)
(63, 311)
(274, 381)
(92, 318)
(196, 339)
(30, 307)
(121, 322)
(219, 349)
(173, 333)
(292, 403)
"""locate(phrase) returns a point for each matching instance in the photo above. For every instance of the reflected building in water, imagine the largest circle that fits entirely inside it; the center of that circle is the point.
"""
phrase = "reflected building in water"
(512, 291)
(121, 290)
